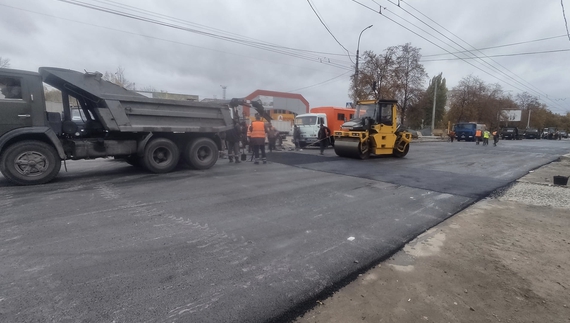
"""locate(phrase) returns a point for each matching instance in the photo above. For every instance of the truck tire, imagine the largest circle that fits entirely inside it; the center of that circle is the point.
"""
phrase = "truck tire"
(161, 155)
(201, 153)
(30, 162)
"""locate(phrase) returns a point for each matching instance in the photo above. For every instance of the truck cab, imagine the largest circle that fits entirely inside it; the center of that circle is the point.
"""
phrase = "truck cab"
(332, 117)
(22, 100)
(309, 124)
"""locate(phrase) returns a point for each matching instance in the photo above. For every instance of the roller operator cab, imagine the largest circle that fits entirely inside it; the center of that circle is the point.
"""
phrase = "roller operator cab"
(373, 131)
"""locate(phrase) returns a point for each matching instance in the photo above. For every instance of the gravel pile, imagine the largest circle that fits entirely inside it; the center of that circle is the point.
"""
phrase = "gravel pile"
(536, 194)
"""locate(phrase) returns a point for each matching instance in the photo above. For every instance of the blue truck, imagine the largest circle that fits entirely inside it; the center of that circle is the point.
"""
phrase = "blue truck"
(466, 130)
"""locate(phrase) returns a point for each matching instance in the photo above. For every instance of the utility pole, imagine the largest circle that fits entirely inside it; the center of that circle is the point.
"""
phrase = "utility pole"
(356, 68)
(224, 87)
(433, 112)
(528, 121)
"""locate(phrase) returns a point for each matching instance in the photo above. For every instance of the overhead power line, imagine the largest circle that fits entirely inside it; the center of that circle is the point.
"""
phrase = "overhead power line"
(327, 28)
(565, 21)
(499, 46)
(186, 22)
(313, 59)
(480, 60)
(380, 12)
(245, 42)
(431, 42)
(499, 55)
(530, 86)
(323, 82)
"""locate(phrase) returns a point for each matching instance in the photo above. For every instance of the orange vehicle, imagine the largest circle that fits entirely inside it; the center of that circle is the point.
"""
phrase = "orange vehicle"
(335, 116)
(332, 117)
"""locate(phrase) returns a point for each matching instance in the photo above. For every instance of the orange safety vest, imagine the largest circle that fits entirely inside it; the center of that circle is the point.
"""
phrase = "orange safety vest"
(478, 133)
(257, 129)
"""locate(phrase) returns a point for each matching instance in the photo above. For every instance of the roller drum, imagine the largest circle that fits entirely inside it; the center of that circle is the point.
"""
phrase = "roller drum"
(348, 147)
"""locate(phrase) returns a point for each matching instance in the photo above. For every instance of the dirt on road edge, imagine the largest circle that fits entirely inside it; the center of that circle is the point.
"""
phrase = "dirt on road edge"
(504, 259)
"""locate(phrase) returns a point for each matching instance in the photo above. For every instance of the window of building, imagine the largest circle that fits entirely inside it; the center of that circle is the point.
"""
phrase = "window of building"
(10, 88)
(340, 116)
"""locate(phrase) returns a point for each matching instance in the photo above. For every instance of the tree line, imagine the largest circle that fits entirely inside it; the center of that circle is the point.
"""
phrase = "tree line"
(398, 74)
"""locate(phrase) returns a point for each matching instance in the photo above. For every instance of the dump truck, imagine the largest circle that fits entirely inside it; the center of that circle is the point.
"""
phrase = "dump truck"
(156, 134)
(374, 130)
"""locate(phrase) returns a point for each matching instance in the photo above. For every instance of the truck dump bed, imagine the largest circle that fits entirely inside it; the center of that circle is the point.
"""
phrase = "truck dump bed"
(119, 109)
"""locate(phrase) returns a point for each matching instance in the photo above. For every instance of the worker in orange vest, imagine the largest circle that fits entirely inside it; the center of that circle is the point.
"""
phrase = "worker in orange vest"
(478, 135)
(258, 133)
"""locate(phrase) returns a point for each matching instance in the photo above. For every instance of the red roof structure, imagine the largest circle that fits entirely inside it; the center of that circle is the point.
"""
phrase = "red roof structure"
(271, 100)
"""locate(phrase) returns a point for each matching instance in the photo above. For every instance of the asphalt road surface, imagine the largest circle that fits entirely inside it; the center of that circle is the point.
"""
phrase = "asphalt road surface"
(107, 242)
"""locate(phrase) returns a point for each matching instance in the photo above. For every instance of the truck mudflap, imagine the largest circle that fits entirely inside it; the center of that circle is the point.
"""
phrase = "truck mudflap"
(25, 132)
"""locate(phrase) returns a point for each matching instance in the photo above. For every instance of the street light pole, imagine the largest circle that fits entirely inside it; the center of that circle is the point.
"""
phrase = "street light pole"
(356, 68)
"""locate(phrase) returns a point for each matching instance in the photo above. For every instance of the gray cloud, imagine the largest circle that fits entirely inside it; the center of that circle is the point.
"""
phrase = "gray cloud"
(184, 62)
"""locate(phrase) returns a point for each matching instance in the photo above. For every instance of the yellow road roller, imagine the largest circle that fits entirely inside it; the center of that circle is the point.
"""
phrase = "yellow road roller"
(373, 131)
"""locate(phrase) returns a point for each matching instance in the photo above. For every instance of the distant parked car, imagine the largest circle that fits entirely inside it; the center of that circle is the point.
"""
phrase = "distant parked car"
(531, 133)
(511, 133)
(563, 134)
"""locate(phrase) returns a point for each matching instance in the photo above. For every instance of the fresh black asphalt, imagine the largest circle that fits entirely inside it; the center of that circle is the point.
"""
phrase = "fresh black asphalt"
(107, 242)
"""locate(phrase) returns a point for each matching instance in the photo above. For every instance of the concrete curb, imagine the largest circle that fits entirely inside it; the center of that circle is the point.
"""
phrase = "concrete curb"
(430, 139)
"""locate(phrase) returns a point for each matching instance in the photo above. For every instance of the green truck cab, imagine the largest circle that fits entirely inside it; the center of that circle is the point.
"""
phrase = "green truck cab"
(154, 133)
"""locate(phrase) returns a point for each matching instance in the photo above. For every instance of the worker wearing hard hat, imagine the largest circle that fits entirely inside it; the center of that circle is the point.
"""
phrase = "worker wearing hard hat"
(258, 133)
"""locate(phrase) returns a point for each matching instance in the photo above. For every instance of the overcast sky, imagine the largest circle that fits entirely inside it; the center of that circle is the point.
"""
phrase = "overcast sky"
(210, 43)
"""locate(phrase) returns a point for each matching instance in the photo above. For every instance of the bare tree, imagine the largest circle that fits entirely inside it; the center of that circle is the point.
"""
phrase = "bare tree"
(119, 78)
(397, 74)
(409, 75)
(376, 77)
(4, 62)
(472, 100)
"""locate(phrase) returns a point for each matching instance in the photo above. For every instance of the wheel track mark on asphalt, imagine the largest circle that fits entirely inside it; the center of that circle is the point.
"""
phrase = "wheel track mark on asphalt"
(195, 306)
(107, 191)
(215, 242)
(211, 237)
(7, 201)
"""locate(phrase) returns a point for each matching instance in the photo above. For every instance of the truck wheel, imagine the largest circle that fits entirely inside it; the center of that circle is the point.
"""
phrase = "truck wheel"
(161, 155)
(201, 153)
(30, 162)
